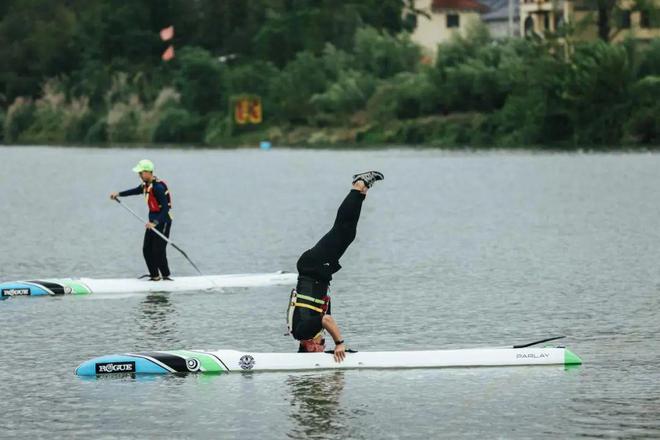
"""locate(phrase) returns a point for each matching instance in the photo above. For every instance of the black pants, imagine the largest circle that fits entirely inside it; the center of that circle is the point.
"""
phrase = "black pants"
(155, 252)
(321, 261)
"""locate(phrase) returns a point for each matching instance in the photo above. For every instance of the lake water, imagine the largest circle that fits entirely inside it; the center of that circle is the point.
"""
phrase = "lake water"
(453, 250)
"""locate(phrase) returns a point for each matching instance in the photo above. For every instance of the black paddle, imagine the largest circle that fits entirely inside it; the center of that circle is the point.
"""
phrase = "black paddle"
(160, 234)
(538, 342)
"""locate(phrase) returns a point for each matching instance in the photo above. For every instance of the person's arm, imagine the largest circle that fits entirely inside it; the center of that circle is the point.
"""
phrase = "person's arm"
(128, 192)
(159, 193)
(330, 325)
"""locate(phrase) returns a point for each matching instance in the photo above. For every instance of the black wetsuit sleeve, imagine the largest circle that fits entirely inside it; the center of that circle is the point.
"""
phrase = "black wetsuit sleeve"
(159, 193)
(131, 192)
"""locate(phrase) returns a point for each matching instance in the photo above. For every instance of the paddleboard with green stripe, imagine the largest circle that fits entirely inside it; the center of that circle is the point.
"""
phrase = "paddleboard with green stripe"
(83, 286)
(225, 361)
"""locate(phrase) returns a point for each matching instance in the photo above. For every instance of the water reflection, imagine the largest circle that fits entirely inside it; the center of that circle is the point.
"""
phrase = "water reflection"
(316, 410)
(157, 321)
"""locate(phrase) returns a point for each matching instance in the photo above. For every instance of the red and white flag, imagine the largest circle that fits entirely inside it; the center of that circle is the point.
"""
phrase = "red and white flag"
(168, 54)
(167, 33)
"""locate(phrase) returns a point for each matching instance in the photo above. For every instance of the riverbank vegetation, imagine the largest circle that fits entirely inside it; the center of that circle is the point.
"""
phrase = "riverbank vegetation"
(327, 73)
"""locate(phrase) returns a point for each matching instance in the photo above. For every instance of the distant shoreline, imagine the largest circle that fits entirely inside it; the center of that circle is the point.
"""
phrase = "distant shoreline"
(621, 149)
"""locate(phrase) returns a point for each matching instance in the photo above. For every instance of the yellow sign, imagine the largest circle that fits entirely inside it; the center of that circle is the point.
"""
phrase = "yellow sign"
(248, 110)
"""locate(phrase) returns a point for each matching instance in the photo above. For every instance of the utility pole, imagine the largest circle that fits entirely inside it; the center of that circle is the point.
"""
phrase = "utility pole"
(510, 19)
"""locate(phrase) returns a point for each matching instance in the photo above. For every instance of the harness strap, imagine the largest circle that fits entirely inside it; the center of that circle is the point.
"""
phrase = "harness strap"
(293, 303)
(308, 306)
(311, 299)
(289, 312)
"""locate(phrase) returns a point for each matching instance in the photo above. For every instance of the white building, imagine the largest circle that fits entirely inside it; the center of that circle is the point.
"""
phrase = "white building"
(443, 18)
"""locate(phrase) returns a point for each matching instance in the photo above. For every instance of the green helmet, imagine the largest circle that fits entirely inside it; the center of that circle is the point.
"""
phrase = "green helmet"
(144, 165)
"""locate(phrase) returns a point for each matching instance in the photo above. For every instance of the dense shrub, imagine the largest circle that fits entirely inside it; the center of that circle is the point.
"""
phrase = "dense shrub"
(644, 123)
(598, 95)
(406, 96)
(200, 80)
(19, 117)
(458, 130)
(293, 88)
(336, 61)
(345, 96)
(384, 55)
(97, 133)
(123, 122)
(460, 49)
(58, 120)
(218, 129)
(650, 60)
(177, 125)
(476, 74)
(535, 112)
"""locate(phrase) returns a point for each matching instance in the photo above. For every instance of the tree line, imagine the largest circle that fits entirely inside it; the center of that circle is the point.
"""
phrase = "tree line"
(328, 71)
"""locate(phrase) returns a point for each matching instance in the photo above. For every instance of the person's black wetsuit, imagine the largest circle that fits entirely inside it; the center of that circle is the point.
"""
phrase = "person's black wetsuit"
(317, 265)
(154, 248)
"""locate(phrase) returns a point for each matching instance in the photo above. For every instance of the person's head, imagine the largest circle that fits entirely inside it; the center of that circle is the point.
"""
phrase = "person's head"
(314, 345)
(145, 169)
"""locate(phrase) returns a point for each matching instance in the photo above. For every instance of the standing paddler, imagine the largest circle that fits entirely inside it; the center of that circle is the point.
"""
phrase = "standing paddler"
(309, 307)
(159, 201)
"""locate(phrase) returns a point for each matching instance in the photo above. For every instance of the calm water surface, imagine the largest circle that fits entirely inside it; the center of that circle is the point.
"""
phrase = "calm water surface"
(453, 250)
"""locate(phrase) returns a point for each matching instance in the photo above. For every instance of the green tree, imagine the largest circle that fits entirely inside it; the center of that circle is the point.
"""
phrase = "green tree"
(35, 43)
(384, 55)
(200, 78)
(598, 93)
(643, 125)
(294, 87)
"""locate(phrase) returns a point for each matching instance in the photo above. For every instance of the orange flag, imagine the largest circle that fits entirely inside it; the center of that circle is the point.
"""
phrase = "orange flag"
(167, 33)
(168, 54)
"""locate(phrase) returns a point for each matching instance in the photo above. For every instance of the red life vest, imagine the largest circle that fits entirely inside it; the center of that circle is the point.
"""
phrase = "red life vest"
(150, 197)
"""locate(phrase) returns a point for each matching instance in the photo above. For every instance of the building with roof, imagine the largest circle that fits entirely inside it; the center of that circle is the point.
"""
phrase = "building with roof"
(441, 19)
(497, 18)
(633, 19)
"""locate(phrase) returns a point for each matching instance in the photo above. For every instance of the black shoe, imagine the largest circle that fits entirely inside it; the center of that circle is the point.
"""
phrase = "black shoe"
(368, 177)
(167, 279)
(144, 276)
(154, 279)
